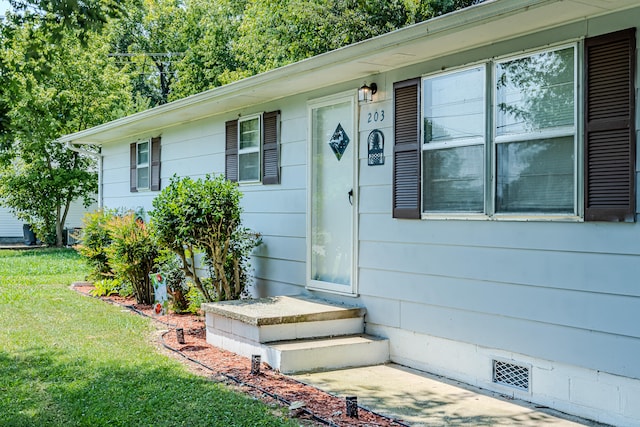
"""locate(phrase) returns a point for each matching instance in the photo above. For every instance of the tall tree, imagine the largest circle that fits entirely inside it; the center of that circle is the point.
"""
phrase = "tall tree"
(81, 88)
(278, 32)
(148, 43)
(209, 31)
(176, 48)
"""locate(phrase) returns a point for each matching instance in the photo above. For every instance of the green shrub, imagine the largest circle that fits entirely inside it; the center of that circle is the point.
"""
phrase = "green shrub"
(203, 216)
(195, 299)
(94, 240)
(132, 254)
(176, 280)
(108, 287)
(105, 288)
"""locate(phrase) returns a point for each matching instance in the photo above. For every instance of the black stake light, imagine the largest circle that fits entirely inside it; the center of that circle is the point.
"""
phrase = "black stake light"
(352, 406)
(180, 335)
(255, 364)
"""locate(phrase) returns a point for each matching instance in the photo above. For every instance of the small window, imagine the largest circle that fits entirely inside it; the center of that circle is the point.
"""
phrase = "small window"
(145, 165)
(142, 166)
(249, 142)
(252, 149)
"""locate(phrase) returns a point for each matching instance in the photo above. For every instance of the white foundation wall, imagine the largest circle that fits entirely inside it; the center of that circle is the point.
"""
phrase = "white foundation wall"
(578, 391)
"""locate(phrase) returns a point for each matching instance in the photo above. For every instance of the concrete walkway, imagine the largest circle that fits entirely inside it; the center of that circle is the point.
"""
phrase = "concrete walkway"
(420, 399)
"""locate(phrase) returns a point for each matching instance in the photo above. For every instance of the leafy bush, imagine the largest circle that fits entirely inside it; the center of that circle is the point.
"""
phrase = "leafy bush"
(203, 216)
(105, 288)
(132, 254)
(94, 240)
(195, 299)
(176, 280)
(108, 287)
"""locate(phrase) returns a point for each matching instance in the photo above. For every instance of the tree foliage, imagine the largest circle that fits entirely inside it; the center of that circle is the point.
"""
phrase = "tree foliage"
(210, 43)
(68, 65)
(148, 43)
(210, 30)
(81, 88)
(202, 216)
(132, 252)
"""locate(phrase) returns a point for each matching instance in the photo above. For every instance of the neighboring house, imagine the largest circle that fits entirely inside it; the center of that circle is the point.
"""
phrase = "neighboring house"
(11, 228)
(482, 207)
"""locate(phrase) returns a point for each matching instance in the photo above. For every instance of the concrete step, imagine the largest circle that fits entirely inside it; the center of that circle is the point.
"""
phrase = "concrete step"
(282, 318)
(294, 333)
(326, 353)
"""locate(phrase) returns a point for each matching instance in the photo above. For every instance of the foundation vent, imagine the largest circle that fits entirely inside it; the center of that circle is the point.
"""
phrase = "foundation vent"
(512, 375)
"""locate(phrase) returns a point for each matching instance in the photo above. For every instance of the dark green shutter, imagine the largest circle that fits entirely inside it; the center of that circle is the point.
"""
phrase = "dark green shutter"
(406, 149)
(231, 150)
(270, 149)
(609, 118)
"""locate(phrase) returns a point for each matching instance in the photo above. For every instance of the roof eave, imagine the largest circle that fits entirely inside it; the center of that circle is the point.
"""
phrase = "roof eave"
(349, 63)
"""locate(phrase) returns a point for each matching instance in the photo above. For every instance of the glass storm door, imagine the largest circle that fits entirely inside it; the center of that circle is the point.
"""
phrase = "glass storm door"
(332, 186)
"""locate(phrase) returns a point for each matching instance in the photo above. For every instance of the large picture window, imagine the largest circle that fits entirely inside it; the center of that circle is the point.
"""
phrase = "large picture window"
(531, 140)
(523, 154)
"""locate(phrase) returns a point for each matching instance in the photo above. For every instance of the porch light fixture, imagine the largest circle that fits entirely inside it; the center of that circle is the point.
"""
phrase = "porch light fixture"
(365, 93)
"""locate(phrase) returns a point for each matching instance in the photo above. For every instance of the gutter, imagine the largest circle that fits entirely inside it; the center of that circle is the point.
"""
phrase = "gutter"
(98, 156)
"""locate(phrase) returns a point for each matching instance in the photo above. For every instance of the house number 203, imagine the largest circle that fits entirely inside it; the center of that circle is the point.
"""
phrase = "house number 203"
(375, 117)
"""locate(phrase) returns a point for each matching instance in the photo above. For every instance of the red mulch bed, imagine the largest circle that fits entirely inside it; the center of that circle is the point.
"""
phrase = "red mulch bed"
(231, 368)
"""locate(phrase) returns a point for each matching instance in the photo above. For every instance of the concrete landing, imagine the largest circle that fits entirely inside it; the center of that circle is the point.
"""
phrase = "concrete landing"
(419, 399)
(281, 309)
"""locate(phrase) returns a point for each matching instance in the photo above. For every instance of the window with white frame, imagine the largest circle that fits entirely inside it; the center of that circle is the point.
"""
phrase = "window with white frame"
(252, 152)
(530, 143)
(531, 136)
(535, 133)
(453, 141)
(249, 143)
(143, 169)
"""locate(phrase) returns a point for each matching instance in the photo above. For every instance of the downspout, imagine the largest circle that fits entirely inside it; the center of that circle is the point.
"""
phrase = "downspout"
(97, 156)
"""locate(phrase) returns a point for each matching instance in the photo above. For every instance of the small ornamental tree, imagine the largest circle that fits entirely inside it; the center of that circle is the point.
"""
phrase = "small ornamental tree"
(202, 216)
(94, 241)
(132, 254)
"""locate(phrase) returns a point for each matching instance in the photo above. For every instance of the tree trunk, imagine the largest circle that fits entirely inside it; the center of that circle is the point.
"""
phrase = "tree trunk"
(59, 225)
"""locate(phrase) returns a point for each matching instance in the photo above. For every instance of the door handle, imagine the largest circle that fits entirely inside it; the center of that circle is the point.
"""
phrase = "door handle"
(350, 193)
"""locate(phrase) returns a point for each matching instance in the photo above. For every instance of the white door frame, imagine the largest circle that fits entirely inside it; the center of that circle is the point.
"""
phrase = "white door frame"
(348, 96)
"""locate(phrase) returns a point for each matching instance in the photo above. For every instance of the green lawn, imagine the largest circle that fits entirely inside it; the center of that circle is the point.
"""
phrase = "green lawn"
(69, 360)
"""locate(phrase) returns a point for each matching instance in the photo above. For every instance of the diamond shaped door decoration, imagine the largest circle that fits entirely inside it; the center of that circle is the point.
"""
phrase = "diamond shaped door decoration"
(339, 141)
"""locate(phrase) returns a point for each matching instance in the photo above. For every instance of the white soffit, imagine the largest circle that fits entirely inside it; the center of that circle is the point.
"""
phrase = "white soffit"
(479, 25)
